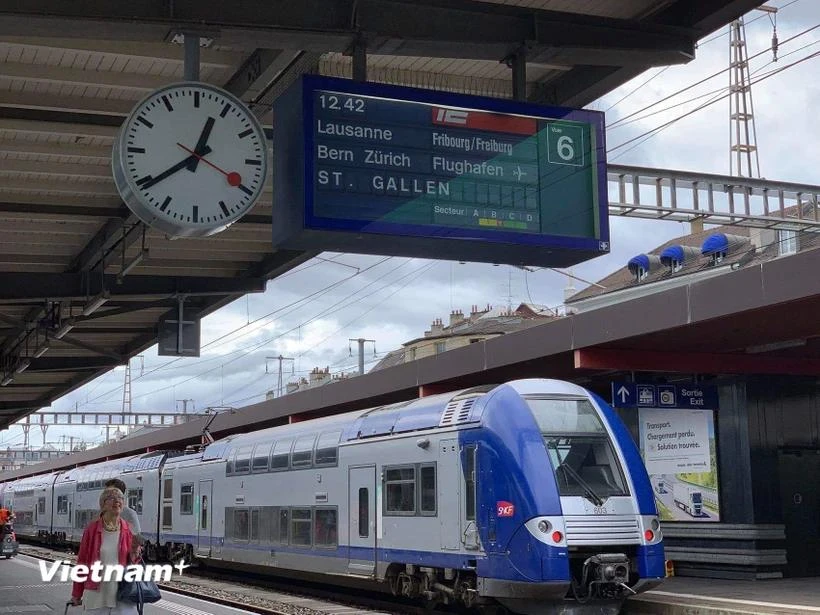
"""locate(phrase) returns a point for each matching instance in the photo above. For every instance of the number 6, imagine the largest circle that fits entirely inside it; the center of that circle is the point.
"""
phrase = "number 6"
(565, 149)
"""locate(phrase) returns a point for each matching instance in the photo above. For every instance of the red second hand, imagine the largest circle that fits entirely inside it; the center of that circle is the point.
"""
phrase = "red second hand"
(234, 178)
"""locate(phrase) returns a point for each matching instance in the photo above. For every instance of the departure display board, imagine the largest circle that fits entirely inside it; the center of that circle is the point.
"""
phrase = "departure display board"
(389, 170)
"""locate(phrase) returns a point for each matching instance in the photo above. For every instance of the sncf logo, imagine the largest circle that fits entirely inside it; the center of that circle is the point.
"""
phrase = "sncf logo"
(504, 509)
(451, 117)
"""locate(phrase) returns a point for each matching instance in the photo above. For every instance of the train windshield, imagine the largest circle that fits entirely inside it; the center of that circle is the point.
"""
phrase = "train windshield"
(579, 448)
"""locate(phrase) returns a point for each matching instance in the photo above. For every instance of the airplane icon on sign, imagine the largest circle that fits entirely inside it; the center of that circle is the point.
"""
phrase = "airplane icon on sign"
(518, 173)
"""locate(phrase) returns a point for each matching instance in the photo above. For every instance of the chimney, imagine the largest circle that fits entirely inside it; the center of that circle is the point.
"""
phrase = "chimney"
(761, 238)
(291, 387)
(436, 328)
(456, 316)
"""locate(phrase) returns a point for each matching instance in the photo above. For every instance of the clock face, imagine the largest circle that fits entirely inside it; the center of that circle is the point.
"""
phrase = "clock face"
(190, 160)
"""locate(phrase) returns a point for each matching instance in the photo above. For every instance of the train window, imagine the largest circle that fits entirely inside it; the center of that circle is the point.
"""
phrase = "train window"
(260, 458)
(228, 522)
(242, 463)
(281, 453)
(585, 466)
(41, 506)
(167, 517)
(229, 463)
(427, 489)
(255, 524)
(364, 512)
(327, 448)
(62, 504)
(273, 526)
(300, 527)
(135, 500)
(400, 488)
(203, 520)
(284, 524)
(186, 499)
(265, 521)
(168, 489)
(241, 524)
(302, 455)
(565, 416)
(325, 528)
(469, 481)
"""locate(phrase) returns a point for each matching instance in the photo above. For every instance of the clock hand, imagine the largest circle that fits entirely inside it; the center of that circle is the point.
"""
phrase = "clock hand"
(150, 181)
(200, 145)
(234, 179)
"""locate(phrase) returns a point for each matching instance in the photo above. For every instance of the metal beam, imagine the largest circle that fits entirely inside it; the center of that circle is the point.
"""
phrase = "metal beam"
(58, 102)
(624, 359)
(68, 364)
(41, 286)
(139, 83)
(47, 126)
(85, 169)
(104, 352)
(61, 211)
(441, 28)
(104, 242)
(47, 148)
(217, 58)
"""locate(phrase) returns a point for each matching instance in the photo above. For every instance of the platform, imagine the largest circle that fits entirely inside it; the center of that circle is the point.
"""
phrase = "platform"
(690, 596)
(22, 591)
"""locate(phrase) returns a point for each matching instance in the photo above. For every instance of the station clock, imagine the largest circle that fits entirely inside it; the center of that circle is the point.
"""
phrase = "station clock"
(190, 160)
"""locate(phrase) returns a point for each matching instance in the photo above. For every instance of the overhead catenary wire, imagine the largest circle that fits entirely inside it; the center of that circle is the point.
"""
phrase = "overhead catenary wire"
(651, 133)
(705, 79)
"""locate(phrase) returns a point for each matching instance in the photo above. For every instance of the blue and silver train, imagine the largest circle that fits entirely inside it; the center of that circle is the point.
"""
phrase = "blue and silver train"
(530, 495)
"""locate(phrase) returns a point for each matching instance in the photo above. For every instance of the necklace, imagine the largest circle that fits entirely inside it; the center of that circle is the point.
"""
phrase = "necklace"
(112, 526)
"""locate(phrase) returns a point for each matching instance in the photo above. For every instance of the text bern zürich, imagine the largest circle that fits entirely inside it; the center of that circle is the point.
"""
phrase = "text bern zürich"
(414, 161)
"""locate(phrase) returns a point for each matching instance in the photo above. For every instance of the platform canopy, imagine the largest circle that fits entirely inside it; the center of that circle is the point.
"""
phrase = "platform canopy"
(71, 71)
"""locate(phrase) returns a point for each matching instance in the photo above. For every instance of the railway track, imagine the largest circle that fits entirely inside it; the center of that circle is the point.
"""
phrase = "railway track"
(270, 596)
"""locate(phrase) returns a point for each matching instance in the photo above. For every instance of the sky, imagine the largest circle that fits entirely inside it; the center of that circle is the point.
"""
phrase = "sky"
(310, 313)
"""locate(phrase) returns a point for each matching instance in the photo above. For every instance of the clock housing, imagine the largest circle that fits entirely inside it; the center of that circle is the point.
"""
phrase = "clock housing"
(190, 160)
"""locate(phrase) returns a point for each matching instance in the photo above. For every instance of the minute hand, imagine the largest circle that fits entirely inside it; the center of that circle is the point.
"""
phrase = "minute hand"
(177, 167)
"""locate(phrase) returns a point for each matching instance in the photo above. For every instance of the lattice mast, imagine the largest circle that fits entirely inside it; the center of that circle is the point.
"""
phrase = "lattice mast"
(744, 159)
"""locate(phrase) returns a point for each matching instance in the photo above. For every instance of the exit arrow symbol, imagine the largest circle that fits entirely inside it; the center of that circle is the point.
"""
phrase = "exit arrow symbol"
(624, 393)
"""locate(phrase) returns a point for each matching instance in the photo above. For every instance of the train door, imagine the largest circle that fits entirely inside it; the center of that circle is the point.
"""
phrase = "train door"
(362, 528)
(204, 524)
(449, 495)
(800, 497)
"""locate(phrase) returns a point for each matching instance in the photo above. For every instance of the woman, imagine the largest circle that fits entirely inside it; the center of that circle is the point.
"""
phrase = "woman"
(107, 540)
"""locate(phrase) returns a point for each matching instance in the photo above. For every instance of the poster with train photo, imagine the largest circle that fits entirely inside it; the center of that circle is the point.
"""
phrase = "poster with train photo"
(678, 448)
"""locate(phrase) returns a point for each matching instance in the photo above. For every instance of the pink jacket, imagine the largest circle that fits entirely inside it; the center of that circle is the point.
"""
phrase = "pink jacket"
(90, 551)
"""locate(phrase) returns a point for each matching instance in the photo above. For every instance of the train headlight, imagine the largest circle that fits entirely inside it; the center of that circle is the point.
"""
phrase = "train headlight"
(544, 526)
(655, 524)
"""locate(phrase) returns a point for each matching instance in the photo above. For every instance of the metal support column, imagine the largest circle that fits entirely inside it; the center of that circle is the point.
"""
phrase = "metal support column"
(359, 60)
(191, 57)
(518, 63)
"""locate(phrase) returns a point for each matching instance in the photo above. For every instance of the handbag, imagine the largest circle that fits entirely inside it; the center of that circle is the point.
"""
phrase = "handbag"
(138, 592)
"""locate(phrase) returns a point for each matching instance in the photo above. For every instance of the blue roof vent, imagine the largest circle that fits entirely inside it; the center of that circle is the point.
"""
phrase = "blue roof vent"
(640, 266)
(717, 242)
(718, 245)
(675, 256)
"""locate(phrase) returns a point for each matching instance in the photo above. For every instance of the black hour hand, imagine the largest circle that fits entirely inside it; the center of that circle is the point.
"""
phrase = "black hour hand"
(148, 180)
(201, 144)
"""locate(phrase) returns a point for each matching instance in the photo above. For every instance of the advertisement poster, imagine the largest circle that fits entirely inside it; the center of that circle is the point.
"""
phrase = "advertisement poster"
(678, 448)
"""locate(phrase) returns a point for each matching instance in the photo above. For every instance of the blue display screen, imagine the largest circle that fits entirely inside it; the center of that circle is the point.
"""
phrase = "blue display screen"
(385, 160)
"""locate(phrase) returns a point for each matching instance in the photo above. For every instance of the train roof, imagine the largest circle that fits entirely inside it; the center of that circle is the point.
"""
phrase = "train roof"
(33, 482)
(135, 463)
(443, 410)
